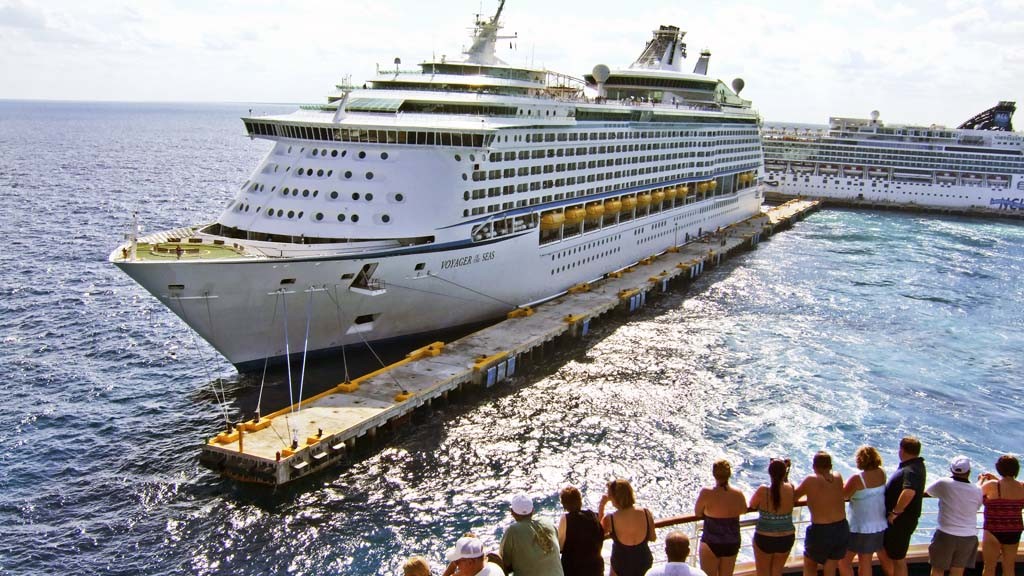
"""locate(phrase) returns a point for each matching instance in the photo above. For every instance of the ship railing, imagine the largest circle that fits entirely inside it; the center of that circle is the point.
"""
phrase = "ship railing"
(692, 526)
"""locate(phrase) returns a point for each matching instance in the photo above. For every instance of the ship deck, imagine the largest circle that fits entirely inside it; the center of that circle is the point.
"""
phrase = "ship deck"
(297, 440)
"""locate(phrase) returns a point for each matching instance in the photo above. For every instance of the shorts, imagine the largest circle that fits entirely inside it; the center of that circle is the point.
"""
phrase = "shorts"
(825, 542)
(947, 551)
(1007, 538)
(897, 537)
(723, 549)
(865, 543)
(774, 544)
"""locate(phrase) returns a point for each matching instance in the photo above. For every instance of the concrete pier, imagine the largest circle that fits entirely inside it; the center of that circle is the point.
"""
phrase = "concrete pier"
(298, 440)
(971, 212)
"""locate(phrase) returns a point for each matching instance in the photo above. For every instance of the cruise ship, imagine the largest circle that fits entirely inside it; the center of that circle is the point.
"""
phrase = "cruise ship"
(979, 165)
(452, 194)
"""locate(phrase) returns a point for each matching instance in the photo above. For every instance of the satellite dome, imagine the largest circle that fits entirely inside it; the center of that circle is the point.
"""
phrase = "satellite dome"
(601, 73)
(738, 84)
(875, 114)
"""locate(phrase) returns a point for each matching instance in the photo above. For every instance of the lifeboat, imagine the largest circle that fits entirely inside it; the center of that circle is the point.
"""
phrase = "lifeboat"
(643, 200)
(671, 193)
(702, 187)
(575, 215)
(595, 210)
(612, 206)
(712, 184)
(628, 203)
(828, 169)
(551, 220)
(658, 197)
(684, 190)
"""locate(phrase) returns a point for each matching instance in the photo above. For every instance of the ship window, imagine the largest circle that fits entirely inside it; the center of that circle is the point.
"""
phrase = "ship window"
(341, 218)
(458, 158)
(385, 218)
(383, 155)
(347, 276)
(280, 213)
(399, 197)
(285, 192)
(369, 197)
(355, 195)
(305, 193)
(315, 151)
(291, 213)
(362, 154)
(319, 216)
(295, 192)
(420, 266)
(320, 172)
(348, 174)
(334, 195)
(287, 281)
(182, 286)
(365, 318)
(355, 217)
(369, 175)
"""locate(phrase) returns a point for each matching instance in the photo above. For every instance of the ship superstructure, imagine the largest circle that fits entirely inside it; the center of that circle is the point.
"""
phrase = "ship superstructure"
(980, 164)
(454, 193)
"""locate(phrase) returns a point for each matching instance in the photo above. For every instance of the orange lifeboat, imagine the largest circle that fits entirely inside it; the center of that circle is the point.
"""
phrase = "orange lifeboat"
(658, 197)
(595, 210)
(575, 215)
(684, 190)
(628, 203)
(643, 200)
(712, 185)
(612, 206)
(671, 193)
(551, 220)
(702, 187)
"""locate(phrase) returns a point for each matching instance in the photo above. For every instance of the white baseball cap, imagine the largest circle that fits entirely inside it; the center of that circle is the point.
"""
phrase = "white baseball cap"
(960, 465)
(466, 547)
(522, 505)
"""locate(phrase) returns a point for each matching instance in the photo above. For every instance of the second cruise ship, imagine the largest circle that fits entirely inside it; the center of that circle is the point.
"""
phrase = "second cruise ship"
(452, 194)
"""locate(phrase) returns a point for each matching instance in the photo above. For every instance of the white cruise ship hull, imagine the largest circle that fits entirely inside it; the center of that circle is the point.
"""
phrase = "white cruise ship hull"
(239, 306)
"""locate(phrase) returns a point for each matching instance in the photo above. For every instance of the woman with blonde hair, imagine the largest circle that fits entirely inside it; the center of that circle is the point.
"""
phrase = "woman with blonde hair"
(630, 529)
(1004, 500)
(774, 534)
(866, 493)
(720, 506)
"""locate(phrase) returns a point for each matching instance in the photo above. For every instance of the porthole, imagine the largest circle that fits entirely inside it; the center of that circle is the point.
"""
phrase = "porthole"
(465, 213)
(295, 192)
(334, 153)
(369, 197)
(464, 177)
(369, 175)
(472, 158)
(355, 195)
(399, 197)
(355, 217)
(334, 195)
(315, 151)
(348, 173)
(301, 171)
(284, 192)
(305, 193)
(320, 172)
(343, 153)
(319, 216)
(280, 213)
(465, 195)
(330, 172)
(316, 193)
(341, 217)
(458, 158)
(291, 214)
(289, 149)
(385, 218)
(301, 213)
(383, 155)
(362, 154)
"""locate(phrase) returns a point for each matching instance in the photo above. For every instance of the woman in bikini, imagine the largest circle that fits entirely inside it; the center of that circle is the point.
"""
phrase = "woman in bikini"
(630, 529)
(774, 534)
(1004, 500)
(720, 506)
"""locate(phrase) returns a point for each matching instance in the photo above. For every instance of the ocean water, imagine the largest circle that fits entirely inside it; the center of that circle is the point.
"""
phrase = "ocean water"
(851, 328)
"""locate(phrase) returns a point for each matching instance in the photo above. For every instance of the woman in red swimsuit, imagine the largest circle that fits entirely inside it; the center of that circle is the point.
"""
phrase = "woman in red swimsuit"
(1004, 500)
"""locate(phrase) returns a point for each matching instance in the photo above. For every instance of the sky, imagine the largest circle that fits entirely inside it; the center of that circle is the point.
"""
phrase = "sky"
(916, 61)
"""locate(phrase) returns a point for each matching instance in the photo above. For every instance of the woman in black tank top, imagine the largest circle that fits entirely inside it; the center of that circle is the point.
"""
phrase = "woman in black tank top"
(580, 537)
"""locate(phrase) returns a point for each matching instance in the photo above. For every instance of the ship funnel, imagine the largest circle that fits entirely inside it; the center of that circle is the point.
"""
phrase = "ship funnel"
(702, 64)
(737, 85)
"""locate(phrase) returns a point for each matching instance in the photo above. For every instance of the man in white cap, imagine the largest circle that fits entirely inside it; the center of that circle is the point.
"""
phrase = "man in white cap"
(469, 559)
(955, 542)
(530, 547)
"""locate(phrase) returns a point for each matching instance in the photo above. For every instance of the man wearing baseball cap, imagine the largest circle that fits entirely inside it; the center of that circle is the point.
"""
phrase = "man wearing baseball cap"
(470, 560)
(955, 542)
(530, 546)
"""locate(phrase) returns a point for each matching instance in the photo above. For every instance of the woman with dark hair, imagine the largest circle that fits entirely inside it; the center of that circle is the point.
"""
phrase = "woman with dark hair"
(580, 536)
(774, 534)
(1004, 500)
(630, 529)
(720, 506)
(866, 493)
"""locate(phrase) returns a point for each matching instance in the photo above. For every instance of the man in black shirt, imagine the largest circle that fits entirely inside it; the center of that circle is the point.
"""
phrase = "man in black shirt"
(903, 495)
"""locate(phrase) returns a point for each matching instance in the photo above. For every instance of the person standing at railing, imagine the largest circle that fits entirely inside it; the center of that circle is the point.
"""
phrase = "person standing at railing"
(580, 536)
(677, 548)
(866, 493)
(774, 534)
(529, 546)
(1004, 500)
(627, 524)
(720, 507)
(955, 541)
(903, 495)
(827, 537)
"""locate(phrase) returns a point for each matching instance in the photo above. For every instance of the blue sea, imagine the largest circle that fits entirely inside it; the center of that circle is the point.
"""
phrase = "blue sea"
(852, 328)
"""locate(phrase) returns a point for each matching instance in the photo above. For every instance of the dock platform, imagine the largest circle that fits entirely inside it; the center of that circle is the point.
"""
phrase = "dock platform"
(298, 440)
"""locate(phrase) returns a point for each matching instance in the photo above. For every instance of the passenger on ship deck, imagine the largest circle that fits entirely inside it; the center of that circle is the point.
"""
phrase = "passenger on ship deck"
(529, 546)
(720, 506)
(630, 529)
(904, 492)
(827, 537)
(866, 493)
(469, 559)
(1004, 500)
(955, 541)
(416, 566)
(774, 534)
(677, 548)
(580, 536)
